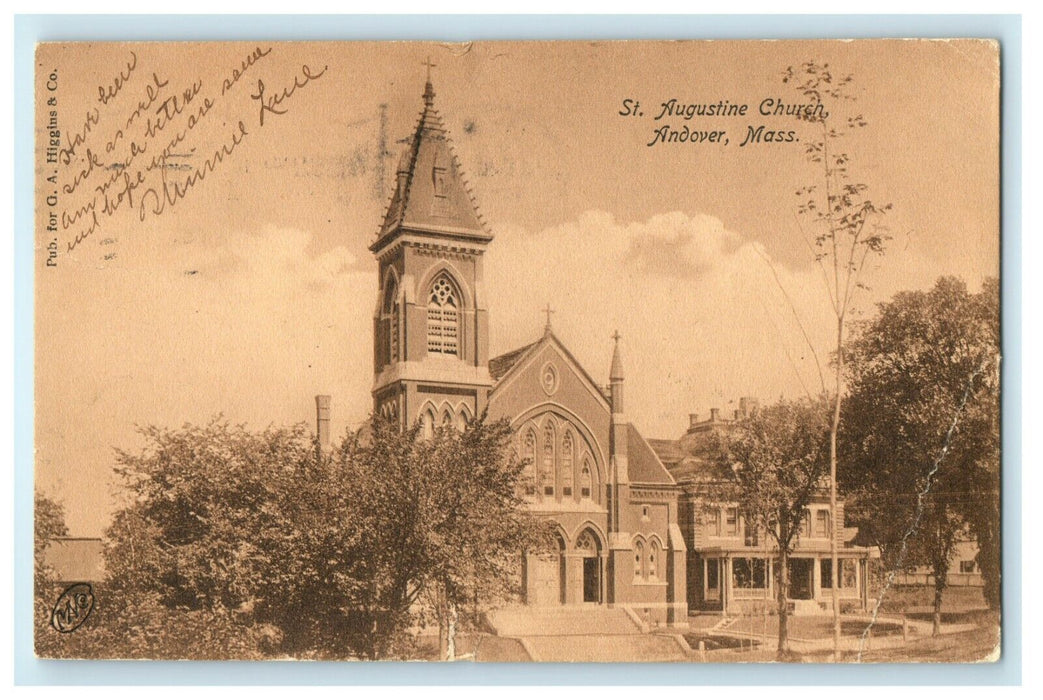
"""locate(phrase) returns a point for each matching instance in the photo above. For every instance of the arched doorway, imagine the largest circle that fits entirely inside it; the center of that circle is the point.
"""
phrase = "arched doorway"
(589, 547)
(545, 576)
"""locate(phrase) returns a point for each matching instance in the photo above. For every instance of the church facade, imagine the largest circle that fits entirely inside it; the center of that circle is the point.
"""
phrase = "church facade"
(613, 505)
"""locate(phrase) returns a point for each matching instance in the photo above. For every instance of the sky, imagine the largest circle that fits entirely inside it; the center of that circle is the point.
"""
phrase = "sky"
(251, 290)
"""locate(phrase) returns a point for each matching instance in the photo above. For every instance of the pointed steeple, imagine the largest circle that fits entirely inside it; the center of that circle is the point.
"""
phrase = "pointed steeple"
(431, 196)
(616, 371)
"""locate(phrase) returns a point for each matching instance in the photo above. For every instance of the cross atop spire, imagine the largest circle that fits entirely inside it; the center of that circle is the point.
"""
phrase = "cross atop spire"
(548, 311)
(615, 374)
(429, 91)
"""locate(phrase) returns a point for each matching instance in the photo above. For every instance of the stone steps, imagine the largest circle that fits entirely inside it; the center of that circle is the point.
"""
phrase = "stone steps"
(562, 620)
(605, 648)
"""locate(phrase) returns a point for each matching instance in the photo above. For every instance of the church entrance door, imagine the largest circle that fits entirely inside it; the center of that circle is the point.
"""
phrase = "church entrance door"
(591, 580)
(590, 547)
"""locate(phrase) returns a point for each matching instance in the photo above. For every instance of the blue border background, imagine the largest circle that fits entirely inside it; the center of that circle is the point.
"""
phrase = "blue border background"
(29, 29)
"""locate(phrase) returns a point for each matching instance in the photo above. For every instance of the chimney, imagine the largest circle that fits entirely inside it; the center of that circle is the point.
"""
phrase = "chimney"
(715, 415)
(322, 421)
(693, 420)
(735, 414)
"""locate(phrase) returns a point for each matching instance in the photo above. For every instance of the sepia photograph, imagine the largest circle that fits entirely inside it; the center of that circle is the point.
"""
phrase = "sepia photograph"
(518, 351)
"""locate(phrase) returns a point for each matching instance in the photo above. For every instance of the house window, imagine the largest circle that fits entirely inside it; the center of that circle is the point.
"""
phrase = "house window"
(731, 521)
(443, 317)
(749, 573)
(826, 573)
(713, 522)
(967, 566)
(822, 523)
(805, 524)
(712, 575)
(750, 537)
(848, 573)
(547, 471)
(566, 465)
(585, 480)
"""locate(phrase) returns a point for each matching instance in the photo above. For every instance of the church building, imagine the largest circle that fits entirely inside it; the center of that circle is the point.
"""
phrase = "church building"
(613, 504)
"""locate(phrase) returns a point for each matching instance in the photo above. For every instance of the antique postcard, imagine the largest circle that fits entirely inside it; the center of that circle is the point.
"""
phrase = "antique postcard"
(596, 351)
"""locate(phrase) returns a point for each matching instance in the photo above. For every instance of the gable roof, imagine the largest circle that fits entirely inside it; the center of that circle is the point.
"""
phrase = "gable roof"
(502, 366)
(644, 465)
(689, 459)
(430, 191)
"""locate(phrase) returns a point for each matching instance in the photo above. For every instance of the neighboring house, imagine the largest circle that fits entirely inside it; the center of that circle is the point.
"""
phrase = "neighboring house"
(731, 565)
(613, 503)
(963, 571)
(76, 559)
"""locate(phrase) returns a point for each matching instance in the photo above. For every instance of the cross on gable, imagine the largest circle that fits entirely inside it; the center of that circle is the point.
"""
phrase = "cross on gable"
(548, 311)
(616, 336)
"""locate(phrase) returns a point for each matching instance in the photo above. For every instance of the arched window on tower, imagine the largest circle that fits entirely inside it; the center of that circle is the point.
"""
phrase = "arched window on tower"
(391, 317)
(566, 465)
(653, 559)
(427, 422)
(547, 467)
(639, 559)
(443, 317)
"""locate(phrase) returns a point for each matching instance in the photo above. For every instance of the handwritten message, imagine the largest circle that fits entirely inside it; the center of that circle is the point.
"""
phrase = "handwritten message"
(149, 140)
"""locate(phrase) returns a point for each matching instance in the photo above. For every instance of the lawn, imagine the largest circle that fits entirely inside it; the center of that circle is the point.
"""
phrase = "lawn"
(808, 627)
(920, 599)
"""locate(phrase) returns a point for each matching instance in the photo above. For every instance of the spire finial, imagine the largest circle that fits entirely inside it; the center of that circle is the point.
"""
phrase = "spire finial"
(615, 373)
(548, 311)
(429, 90)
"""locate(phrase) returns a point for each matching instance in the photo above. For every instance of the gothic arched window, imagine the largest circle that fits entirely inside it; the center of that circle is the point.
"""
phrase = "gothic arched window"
(547, 467)
(639, 559)
(529, 455)
(391, 316)
(427, 422)
(585, 480)
(653, 557)
(566, 465)
(443, 317)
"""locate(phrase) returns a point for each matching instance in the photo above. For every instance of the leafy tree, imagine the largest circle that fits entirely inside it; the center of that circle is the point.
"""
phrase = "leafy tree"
(252, 544)
(844, 225)
(922, 429)
(448, 523)
(48, 523)
(780, 460)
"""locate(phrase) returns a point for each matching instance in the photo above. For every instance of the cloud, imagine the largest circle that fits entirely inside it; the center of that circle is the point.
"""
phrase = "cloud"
(706, 314)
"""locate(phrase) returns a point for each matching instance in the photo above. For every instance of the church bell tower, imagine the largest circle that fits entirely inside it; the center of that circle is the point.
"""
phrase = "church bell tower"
(430, 326)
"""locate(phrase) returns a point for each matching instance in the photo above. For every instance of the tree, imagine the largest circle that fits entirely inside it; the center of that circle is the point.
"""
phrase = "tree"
(277, 547)
(449, 520)
(48, 523)
(846, 231)
(780, 459)
(921, 428)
